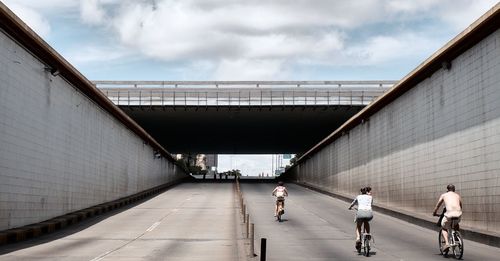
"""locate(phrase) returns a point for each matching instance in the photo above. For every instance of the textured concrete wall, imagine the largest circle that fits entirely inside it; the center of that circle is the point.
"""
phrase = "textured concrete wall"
(60, 152)
(444, 130)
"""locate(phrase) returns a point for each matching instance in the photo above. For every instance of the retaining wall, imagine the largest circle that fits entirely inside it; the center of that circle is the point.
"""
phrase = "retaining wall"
(446, 129)
(59, 150)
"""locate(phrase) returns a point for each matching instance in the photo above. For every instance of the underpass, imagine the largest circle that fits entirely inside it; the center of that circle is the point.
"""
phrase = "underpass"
(66, 147)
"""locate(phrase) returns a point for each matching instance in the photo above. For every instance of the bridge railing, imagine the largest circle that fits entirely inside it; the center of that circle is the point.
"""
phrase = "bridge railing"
(238, 94)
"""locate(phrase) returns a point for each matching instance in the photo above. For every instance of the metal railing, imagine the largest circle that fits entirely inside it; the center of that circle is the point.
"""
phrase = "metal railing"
(125, 93)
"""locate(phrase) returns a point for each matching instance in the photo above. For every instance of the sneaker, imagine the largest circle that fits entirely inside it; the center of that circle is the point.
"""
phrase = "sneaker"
(358, 245)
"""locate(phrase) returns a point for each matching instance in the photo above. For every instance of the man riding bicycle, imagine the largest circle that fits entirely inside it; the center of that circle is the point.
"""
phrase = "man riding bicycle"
(280, 192)
(363, 215)
(453, 206)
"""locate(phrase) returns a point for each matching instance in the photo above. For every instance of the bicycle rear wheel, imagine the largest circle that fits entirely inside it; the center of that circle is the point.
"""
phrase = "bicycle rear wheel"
(366, 246)
(458, 250)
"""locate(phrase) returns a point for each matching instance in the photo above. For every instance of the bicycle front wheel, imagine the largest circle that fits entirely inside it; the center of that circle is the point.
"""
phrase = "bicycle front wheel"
(458, 250)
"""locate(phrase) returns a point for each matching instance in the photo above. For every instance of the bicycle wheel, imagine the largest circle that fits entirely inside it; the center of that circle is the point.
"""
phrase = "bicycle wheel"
(366, 246)
(441, 242)
(458, 250)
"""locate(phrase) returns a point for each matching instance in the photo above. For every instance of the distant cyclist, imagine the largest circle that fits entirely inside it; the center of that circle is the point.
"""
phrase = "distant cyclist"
(280, 192)
(453, 206)
(363, 215)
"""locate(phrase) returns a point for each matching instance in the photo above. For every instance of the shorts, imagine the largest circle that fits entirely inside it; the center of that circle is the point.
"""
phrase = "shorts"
(364, 215)
(446, 222)
(278, 200)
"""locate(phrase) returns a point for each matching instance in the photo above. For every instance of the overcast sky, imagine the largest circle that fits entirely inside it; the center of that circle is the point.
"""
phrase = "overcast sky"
(249, 39)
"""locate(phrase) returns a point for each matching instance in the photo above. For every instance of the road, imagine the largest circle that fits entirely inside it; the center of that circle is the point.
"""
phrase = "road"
(318, 227)
(200, 221)
(188, 222)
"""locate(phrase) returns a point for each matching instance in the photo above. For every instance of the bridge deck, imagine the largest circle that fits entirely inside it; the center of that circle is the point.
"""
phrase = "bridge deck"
(242, 93)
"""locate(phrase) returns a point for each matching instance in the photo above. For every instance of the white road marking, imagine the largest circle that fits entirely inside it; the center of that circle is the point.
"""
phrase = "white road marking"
(101, 256)
(153, 227)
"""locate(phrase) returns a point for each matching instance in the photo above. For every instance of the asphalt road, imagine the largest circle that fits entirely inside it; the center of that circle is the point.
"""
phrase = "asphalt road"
(318, 227)
(201, 222)
(187, 222)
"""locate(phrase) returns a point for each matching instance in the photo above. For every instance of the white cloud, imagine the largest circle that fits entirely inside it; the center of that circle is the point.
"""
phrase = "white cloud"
(251, 69)
(382, 49)
(92, 12)
(31, 17)
(256, 39)
(45, 5)
(96, 54)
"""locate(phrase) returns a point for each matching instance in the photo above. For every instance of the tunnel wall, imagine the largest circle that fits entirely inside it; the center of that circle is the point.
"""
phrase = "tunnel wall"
(446, 129)
(60, 151)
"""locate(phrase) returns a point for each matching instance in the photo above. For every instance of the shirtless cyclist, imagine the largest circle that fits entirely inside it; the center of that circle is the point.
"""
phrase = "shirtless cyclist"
(453, 205)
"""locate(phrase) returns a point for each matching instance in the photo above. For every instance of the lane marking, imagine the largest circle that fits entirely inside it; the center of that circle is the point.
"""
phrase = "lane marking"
(101, 256)
(153, 226)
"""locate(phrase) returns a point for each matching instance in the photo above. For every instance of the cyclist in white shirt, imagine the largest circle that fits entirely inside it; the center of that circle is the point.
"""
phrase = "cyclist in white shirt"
(280, 192)
(364, 213)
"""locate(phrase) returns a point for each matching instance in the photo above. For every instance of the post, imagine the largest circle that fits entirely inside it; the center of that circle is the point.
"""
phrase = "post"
(248, 224)
(244, 212)
(263, 249)
(252, 240)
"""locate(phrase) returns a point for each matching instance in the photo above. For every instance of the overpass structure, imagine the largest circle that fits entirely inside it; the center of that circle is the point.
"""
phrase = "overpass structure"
(243, 93)
(241, 116)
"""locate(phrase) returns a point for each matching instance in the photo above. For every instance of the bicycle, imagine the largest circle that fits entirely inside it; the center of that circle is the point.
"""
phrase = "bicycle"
(281, 210)
(365, 239)
(455, 240)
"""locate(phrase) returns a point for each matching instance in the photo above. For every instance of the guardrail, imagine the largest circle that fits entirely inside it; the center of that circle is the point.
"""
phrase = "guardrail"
(242, 93)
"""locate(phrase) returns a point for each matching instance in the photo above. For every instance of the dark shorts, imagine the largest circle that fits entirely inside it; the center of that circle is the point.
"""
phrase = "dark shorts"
(364, 215)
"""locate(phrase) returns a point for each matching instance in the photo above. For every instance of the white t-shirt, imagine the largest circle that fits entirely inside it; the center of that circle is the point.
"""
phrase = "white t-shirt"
(364, 202)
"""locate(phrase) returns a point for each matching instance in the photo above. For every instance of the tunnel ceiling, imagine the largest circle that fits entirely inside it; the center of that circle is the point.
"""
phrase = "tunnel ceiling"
(240, 130)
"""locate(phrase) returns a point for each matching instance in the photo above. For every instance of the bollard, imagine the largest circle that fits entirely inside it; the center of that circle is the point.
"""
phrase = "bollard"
(263, 249)
(248, 224)
(252, 240)
(244, 212)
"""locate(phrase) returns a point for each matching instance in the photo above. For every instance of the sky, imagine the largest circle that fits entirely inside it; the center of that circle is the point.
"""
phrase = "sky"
(247, 40)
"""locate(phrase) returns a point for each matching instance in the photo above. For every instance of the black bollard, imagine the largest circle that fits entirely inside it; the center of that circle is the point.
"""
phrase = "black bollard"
(263, 249)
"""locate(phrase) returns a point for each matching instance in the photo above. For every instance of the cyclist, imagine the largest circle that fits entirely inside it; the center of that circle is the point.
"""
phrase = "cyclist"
(453, 206)
(363, 215)
(280, 192)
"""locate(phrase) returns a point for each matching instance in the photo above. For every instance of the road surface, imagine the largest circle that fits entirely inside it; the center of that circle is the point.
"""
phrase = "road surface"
(188, 222)
(318, 227)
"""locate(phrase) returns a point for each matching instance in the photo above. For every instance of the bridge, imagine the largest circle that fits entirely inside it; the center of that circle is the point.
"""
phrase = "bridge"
(241, 116)
(81, 179)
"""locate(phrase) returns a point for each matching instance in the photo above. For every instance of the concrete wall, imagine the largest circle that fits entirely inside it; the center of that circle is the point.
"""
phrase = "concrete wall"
(59, 151)
(444, 130)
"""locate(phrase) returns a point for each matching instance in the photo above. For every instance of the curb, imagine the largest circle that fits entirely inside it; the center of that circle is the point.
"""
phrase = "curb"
(19, 234)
